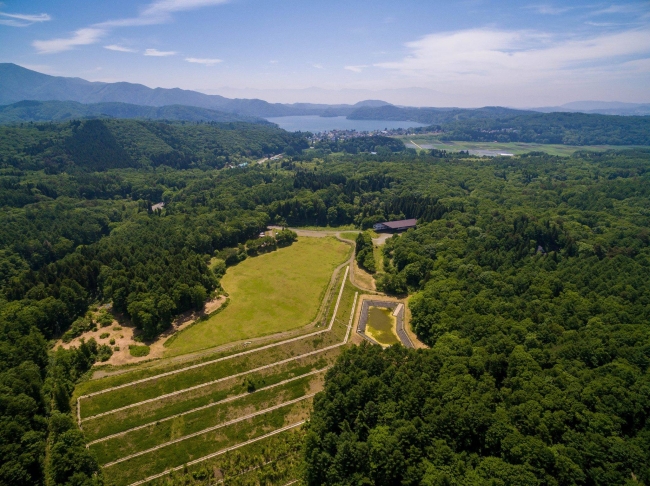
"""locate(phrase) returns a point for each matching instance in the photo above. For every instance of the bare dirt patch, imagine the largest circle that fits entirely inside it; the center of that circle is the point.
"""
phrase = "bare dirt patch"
(361, 278)
(125, 336)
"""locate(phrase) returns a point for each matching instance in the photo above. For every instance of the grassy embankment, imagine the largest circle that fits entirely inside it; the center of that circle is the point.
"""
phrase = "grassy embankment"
(157, 417)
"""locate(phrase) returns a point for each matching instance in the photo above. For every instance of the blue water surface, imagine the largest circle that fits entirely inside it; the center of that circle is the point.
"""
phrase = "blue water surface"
(315, 124)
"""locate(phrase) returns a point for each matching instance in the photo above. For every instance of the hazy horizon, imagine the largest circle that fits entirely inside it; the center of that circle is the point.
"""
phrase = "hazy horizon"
(469, 54)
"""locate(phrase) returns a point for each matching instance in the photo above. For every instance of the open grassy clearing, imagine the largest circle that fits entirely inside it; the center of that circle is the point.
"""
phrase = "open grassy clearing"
(141, 441)
(120, 420)
(161, 432)
(161, 409)
(515, 148)
(196, 377)
(382, 326)
(270, 293)
(177, 454)
(149, 370)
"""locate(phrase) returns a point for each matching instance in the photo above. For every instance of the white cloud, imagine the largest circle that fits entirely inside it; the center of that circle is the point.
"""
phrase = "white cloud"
(205, 62)
(22, 20)
(118, 48)
(356, 69)
(157, 12)
(318, 66)
(505, 58)
(273, 61)
(81, 37)
(160, 11)
(623, 9)
(549, 9)
(157, 53)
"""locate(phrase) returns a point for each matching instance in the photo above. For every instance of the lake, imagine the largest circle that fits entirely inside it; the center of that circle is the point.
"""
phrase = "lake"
(315, 124)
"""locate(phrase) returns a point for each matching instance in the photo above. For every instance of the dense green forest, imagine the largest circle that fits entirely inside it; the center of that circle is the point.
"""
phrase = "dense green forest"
(492, 124)
(529, 277)
(97, 145)
(535, 300)
(374, 143)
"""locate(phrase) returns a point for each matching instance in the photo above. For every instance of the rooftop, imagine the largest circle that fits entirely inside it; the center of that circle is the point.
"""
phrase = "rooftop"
(400, 224)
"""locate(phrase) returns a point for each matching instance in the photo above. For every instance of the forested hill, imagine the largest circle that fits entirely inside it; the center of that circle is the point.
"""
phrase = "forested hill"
(432, 116)
(56, 111)
(528, 277)
(533, 295)
(107, 144)
(505, 125)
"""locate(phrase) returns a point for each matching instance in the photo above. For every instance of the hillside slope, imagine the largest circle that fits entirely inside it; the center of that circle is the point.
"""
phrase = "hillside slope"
(36, 111)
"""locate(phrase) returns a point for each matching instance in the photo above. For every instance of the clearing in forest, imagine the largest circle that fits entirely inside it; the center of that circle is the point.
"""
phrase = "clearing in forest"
(270, 293)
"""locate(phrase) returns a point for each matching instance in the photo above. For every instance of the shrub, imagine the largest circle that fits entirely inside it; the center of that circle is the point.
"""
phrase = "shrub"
(138, 351)
(104, 319)
(112, 341)
(104, 353)
(117, 328)
(104, 335)
(285, 237)
(78, 327)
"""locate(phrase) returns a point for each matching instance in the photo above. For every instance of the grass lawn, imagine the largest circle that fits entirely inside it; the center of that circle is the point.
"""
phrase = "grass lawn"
(379, 258)
(270, 293)
(515, 148)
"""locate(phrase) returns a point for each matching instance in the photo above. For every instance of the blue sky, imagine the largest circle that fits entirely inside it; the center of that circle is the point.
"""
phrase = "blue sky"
(466, 53)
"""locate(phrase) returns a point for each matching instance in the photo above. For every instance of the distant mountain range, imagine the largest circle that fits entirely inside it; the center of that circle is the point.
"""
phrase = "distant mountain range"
(33, 96)
(19, 84)
(600, 107)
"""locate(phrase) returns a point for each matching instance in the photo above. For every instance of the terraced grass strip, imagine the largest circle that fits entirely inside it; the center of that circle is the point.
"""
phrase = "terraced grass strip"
(209, 429)
(161, 433)
(218, 453)
(202, 385)
(126, 419)
(204, 444)
(206, 407)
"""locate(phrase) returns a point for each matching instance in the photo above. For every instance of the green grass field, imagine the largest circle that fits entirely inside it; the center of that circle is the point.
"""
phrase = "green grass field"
(432, 141)
(270, 293)
(211, 403)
